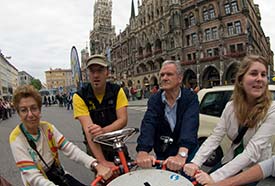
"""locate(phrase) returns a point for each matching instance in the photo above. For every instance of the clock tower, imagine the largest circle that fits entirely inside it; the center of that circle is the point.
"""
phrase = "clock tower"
(103, 31)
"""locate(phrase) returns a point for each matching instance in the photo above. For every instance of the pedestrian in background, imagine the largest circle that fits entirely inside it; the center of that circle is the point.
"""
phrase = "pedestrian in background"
(248, 122)
(133, 92)
(154, 89)
(49, 100)
(125, 89)
(45, 101)
(70, 100)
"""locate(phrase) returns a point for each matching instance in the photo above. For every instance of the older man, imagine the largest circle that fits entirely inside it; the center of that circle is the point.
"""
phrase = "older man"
(100, 107)
(170, 124)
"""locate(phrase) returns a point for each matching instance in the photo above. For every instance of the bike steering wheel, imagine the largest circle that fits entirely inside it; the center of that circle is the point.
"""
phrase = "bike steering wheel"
(116, 138)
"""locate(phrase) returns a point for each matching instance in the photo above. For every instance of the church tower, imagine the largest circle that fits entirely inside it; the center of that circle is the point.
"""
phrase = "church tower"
(103, 31)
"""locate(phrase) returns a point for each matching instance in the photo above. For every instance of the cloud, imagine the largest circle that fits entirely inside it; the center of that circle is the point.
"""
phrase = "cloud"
(39, 34)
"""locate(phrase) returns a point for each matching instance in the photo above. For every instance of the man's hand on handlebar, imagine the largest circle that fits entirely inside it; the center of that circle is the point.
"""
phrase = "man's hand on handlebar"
(145, 160)
(95, 130)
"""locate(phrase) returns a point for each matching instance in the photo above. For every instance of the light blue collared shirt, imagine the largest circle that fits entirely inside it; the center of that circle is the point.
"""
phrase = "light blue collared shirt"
(170, 112)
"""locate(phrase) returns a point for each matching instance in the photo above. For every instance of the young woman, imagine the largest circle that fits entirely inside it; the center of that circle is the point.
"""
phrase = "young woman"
(251, 108)
(35, 145)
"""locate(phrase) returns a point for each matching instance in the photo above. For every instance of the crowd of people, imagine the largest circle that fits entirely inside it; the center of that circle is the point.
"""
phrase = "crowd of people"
(6, 109)
(62, 99)
(138, 92)
(169, 128)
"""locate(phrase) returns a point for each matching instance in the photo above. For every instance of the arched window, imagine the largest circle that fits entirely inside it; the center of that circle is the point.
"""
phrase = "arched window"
(192, 19)
(231, 6)
(227, 7)
(140, 51)
(234, 6)
(211, 11)
(148, 48)
(158, 44)
(172, 42)
(205, 14)
(186, 21)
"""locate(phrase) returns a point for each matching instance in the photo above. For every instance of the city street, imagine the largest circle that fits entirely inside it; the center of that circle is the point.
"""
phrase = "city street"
(63, 120)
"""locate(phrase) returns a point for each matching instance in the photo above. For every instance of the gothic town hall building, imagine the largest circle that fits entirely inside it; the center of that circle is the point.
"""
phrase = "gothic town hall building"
(208, 37)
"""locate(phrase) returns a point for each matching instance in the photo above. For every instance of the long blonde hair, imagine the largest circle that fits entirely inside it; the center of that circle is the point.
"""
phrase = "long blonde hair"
(246, 115)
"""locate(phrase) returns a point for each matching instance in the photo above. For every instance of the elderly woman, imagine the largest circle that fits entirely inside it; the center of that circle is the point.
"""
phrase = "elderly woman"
(35, 145)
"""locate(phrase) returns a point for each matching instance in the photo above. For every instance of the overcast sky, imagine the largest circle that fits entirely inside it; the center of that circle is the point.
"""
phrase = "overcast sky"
(39, 34)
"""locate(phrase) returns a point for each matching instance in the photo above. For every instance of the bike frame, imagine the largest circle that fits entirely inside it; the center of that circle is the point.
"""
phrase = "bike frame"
(117, 141)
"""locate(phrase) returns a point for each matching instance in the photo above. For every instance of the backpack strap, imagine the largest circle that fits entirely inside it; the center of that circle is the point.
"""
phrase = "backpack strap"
(241, 132)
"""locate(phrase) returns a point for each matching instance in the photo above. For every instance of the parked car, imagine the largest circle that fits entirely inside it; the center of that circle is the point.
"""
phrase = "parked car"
(212, 102)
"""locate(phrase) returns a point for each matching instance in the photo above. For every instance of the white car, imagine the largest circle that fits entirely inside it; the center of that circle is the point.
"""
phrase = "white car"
(212, 102)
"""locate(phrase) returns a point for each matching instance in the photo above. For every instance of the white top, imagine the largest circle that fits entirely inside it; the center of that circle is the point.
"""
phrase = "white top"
(268, 167)
(256, 142)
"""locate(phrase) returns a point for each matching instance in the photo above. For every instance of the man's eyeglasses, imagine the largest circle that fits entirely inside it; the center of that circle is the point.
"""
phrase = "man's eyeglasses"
(25, 110)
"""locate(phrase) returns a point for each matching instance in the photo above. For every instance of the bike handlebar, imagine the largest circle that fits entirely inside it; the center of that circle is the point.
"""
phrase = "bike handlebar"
(99, 178)
(195, 181)
(159, 162)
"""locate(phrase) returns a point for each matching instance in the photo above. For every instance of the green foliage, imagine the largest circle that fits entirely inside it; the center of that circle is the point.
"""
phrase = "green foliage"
(36, 83)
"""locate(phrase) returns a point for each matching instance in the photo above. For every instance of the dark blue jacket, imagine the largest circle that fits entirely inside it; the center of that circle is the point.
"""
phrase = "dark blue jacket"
(154, 125)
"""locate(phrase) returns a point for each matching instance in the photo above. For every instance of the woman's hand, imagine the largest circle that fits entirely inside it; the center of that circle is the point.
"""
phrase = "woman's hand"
(203, 178)
(190, 169)
(108, 164)
(103, 171)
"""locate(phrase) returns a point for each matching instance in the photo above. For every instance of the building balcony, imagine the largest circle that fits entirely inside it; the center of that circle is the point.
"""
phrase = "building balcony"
(157, 51)
(148, 54)
(235, 54)
(140, 57)
(209, 58)
(190, 62)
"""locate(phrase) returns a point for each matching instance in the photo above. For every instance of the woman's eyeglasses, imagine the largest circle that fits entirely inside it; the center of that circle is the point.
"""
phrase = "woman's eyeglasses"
(25, 110)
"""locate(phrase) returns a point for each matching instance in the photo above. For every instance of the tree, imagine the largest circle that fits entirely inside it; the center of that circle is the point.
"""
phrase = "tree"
(36, 83)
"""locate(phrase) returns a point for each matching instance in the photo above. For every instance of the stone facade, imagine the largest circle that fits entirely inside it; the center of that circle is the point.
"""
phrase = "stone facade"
(103, 31)
(59, 79)
(8, 77)
(208, 37)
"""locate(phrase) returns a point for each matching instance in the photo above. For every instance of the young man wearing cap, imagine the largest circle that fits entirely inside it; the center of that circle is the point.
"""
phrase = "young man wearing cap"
(101, 107)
